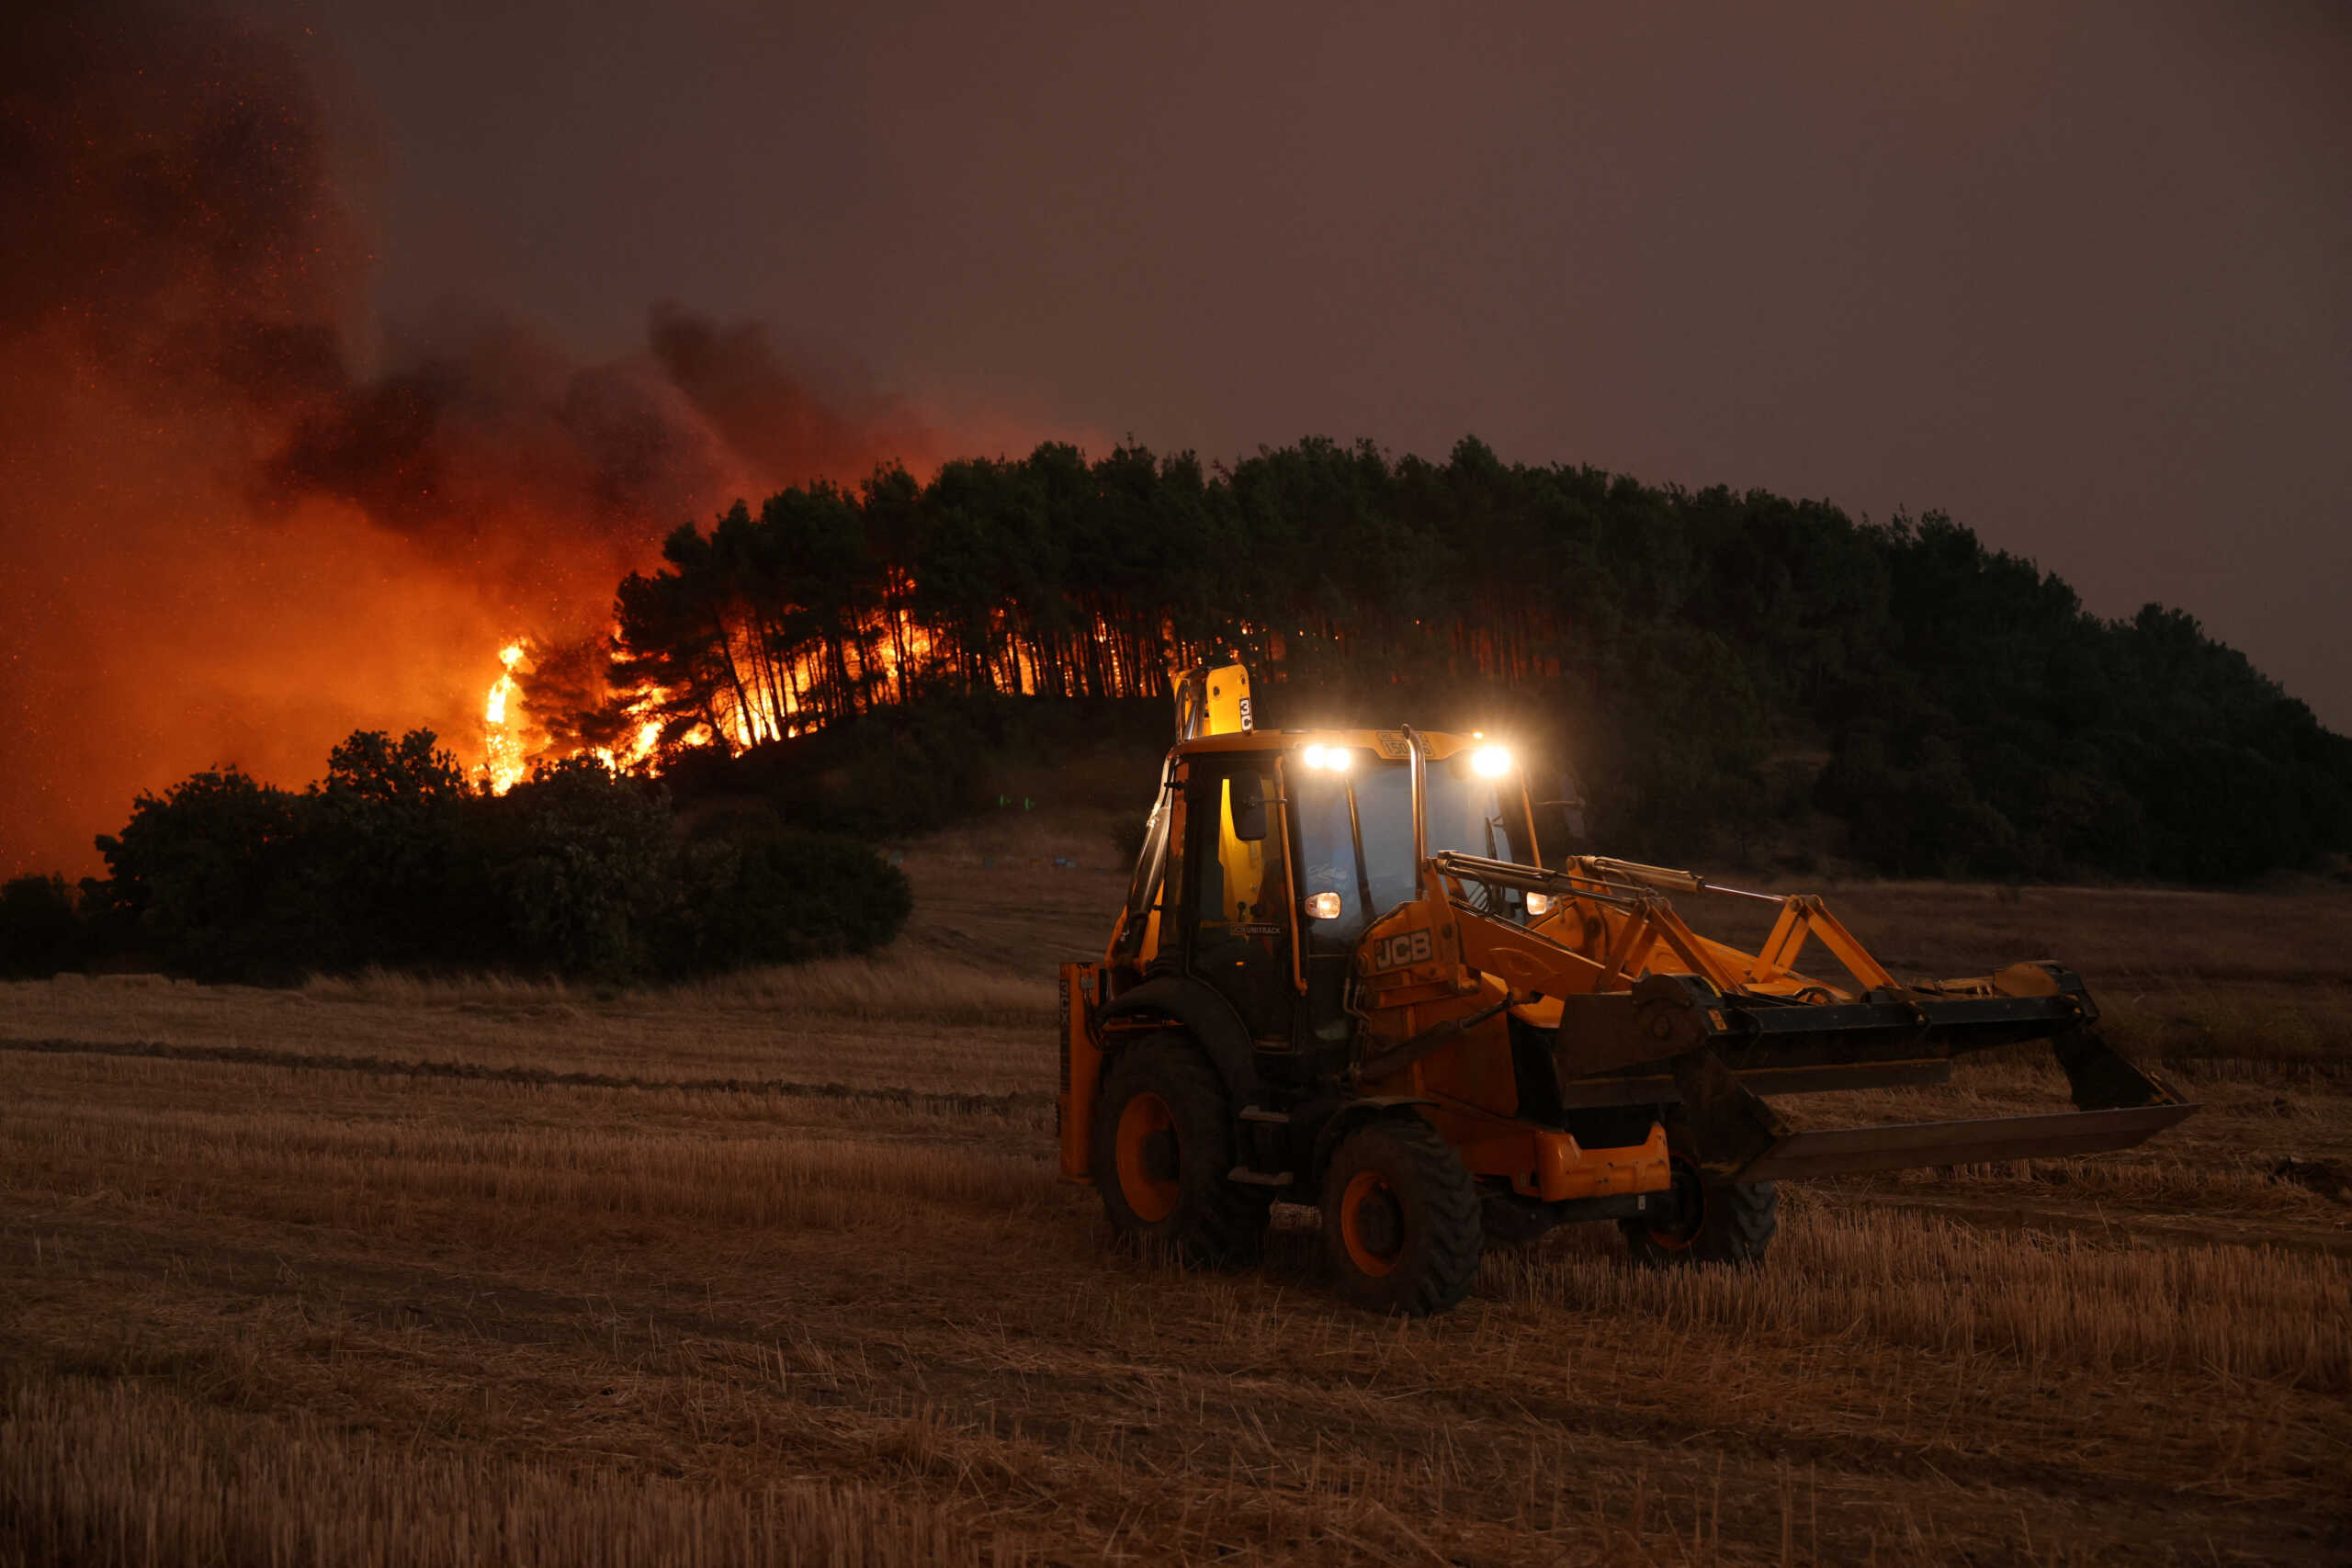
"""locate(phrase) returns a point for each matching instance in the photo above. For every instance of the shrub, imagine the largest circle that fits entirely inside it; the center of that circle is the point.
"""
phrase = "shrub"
(584, 868)
(208, 875)
(383, 848)
(755, 891)
(394, 860)
(40, 929)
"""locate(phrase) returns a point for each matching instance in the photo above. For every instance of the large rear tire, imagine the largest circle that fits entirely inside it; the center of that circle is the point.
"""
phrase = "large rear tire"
(1729, 1224)
(1400, 1218)
(1163, 1142)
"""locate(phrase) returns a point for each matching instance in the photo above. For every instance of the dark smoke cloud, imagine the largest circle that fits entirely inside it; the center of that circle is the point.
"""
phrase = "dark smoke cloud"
(492, 418)
(735, 379)
(453, 444)
(220, 541)
(165, 179)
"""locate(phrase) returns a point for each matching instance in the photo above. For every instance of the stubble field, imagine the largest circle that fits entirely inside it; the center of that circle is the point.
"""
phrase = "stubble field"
(778, 1270)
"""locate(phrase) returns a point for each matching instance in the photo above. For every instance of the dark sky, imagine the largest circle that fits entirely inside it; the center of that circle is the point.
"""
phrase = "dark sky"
(2075, 272)
(2079, 274)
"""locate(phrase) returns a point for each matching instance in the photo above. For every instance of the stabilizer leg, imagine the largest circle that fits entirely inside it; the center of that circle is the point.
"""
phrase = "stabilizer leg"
(2102, 1080)
(1730, 1124)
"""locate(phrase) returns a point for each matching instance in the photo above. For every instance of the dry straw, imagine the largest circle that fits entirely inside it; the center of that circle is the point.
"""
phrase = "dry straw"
(1920, 1281)
(898, 987)
(107, 1476)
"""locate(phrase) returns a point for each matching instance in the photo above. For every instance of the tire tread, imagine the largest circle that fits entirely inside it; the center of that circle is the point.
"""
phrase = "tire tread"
(1456, 1235)
(1736, 1230)
(1218, 1222)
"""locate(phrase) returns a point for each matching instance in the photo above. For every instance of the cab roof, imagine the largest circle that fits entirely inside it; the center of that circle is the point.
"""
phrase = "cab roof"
(1387, 744)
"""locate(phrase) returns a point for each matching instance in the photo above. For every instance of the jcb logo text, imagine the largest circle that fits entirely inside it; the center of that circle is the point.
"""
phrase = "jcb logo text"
(1404, 948)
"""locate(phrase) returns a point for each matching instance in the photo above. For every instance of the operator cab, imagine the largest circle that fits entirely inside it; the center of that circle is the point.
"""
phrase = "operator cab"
(1277, 851)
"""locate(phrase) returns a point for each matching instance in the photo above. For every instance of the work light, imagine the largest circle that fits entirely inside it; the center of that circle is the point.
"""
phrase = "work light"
(1491, 761)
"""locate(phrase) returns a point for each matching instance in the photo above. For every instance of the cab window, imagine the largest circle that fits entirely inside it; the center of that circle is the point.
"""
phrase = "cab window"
(1240, 902)
(1235, 889)
(1355, 834)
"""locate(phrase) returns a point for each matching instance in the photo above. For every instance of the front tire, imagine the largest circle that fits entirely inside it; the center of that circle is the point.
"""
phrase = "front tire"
(1726, 1224)
(1400, 1218)
(1163, 1142)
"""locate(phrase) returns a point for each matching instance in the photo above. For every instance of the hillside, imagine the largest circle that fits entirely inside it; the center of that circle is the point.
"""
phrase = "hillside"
(1712, 672)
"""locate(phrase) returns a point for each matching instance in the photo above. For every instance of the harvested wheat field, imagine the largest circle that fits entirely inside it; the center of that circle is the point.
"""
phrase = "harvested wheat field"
(777, 1271)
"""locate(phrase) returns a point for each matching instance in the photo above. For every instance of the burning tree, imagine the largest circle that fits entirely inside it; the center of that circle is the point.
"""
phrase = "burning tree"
(829, 603)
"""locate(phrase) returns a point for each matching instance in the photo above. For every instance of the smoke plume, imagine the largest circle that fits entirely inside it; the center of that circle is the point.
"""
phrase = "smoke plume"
(221, 539)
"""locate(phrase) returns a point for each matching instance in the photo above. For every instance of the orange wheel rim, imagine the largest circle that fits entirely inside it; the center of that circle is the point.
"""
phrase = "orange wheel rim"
(1150, 1178)
(1372, 1224)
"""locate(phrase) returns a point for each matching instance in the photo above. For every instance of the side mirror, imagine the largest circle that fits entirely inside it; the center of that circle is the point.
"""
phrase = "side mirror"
(1247, 801)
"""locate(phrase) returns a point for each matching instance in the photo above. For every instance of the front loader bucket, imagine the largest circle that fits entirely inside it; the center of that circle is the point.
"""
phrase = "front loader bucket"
(1741, 1138)
(1844, 1150)
(1673, 1039)
(1724, 1030)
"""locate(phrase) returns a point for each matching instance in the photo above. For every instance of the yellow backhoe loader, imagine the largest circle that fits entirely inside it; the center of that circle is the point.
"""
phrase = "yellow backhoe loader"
(1345, 976)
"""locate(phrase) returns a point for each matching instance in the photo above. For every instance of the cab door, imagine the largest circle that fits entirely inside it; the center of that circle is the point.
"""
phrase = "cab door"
(1239, 909)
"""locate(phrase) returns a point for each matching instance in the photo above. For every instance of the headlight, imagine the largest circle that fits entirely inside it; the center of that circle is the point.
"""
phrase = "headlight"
(1491, 761)
(1539, 902)
(1323, 905)
(1332, 758)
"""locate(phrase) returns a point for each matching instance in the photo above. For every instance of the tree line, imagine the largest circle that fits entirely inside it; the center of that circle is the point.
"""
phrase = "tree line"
(1710, 661)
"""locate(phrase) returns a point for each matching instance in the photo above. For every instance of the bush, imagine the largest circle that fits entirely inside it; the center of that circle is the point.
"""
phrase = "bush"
(223, 877)
(758, 893)
(584, 868)
(208, 876)
(383, 851)
(394, 860)
(41, 928)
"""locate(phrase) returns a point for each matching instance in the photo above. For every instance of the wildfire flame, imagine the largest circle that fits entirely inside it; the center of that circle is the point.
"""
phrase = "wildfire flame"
(776, 699)
(623, 759)
(770, 694)
(503, 762)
